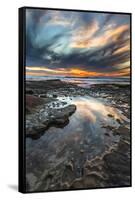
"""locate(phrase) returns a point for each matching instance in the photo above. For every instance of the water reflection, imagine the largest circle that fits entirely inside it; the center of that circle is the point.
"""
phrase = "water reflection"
(87, 82)
(86, 136)
(86, 125)
(93, 110)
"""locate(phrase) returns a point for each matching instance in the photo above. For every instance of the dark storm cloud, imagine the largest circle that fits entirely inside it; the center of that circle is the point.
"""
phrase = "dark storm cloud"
(96, 61)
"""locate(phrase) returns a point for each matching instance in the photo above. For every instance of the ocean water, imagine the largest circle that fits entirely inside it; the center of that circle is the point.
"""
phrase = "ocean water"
(84, 82)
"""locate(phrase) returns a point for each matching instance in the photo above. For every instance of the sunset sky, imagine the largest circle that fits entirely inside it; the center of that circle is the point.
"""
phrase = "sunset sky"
(79, 44)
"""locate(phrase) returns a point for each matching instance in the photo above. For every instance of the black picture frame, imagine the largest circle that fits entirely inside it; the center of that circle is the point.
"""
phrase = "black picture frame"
(22, 100)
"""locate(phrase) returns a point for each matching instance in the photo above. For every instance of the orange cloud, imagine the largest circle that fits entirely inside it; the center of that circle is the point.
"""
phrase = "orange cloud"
(76, 72)
(87, 32)
(89, 41)
(35, 73)
(58, 19)
(81, 37)
(82, 73)
(122, 49)
(120, 73)
(61, 72)
(45, 69)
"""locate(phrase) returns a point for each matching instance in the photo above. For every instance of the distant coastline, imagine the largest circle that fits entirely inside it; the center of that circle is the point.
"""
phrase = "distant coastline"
(85, 82)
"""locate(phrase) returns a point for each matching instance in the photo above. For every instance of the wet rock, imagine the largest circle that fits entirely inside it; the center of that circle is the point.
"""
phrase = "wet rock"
(36, 130)
(70, 166)
(32, 101)
(65, 185)
(43, 95)
(31, 179)
(29, 91)
(124, 147)
(37, 124)
(82, 151)
(53, 104)
(59, 121)
(68, 173)
(64, 103)
(55, 95)
(108, 127)
(110, 115)
(28, 110)
(123, 132)
(116, 162)
(118, 169)
(90, 181)
(107, 134)
(118, 120)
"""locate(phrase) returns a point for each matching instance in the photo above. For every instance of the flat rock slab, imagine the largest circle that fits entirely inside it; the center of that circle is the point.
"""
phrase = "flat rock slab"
(37, 123)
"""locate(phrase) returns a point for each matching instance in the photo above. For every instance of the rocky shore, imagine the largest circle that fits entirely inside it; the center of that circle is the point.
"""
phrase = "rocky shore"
(62, 150)
(43, 116)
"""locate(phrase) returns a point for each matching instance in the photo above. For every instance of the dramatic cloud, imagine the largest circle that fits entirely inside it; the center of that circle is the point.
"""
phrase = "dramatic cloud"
(69, 43)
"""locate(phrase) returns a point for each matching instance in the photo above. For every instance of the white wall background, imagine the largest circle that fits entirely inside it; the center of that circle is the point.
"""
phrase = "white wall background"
(9, 98)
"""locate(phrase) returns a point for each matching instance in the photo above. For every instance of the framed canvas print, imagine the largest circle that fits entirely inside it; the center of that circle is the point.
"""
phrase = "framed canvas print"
(74, 99)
